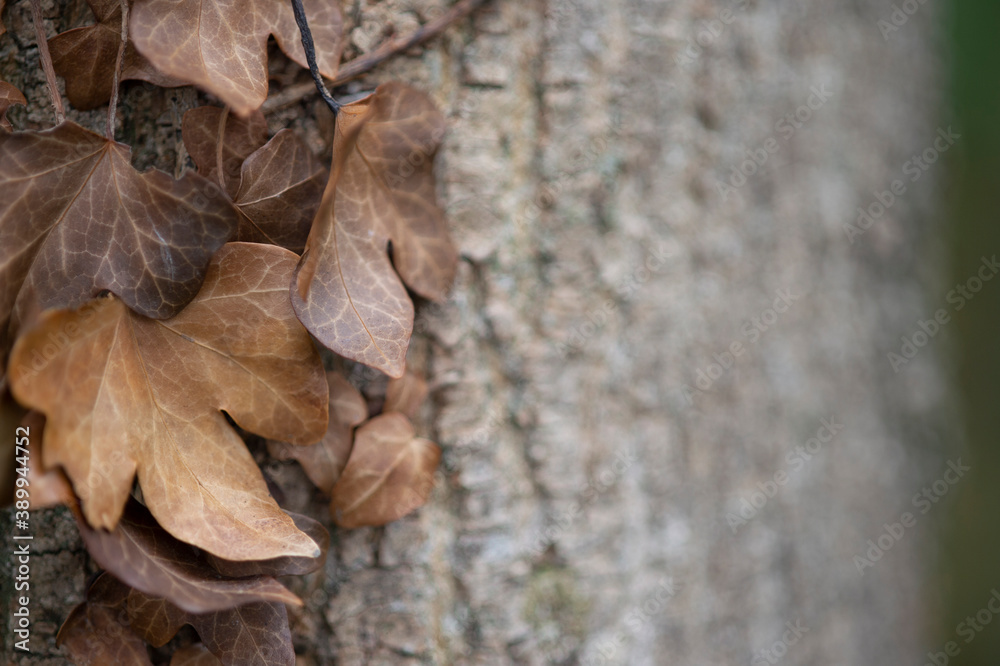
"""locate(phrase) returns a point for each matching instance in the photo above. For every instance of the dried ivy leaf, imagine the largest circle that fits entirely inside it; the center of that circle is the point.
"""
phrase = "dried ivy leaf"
(194, 655)
(143, 555)
(240, 137)
(94, 635)
(85, 58)
(280, 189)
(106, 590)
(276, 187)
(282, 566)
(381, 188)
(9, 96)
(125, 394)
(222, 46)
(324, 461)
(394, 165)
(252, 634)
(76, 219)
(154, 619)
(49, 487)
(389, 474)
(406, 394)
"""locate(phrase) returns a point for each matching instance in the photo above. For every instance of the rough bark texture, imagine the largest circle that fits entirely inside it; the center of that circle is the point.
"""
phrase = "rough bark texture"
(581, 514)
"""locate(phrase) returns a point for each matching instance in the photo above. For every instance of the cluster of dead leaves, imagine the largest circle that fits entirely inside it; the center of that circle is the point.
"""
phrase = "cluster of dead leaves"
(148, 322)
(220, 47)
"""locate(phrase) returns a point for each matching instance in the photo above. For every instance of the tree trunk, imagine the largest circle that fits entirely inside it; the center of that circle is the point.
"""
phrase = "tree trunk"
(661, 380)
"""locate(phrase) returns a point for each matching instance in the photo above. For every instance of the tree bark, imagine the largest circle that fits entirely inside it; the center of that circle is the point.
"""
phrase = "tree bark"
(657, 318)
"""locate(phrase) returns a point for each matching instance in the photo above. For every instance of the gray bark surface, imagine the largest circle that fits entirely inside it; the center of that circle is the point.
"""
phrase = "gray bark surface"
(581, 514)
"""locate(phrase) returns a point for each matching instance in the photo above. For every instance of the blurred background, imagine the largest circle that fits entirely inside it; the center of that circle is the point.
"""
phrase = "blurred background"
(970, 540)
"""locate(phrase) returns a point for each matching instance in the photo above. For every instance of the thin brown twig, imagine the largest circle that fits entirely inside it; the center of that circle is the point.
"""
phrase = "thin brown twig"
(365, 63)
(218, 148)
(116, 79)
(46, 58)
(432, 28)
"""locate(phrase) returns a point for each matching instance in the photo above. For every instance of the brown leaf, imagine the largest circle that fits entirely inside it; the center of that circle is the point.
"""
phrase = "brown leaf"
(389, 474)
(240, 137)
(276, 187)
(280, 189)
(194, 655)
(144, 556)
(76, 219)
(324, 461)
(281, 566)
(154, 619)
(125, 394)
(253, 634)
(222, 46)
(406, 394)
(49, 487)
(9, 96)
(95, 635)
(85, 58)
(381, 188)
(106, 590)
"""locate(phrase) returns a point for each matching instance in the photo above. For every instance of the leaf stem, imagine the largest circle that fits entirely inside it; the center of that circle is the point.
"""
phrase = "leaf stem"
(310, 49)
(46, 58)
(116, 80)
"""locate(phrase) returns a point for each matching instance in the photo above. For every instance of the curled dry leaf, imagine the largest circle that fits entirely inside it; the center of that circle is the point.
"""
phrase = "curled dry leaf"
(142, 554)
(222, 46)
(194, 655)
(406, 394)
(389, 474)
(76, 219)
(9, 96)
(381, 188)
(127, 395)
(276, 187)
(324, 461)
(85, 58)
